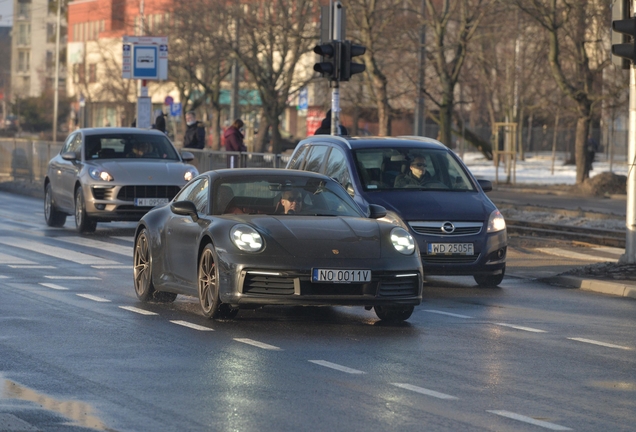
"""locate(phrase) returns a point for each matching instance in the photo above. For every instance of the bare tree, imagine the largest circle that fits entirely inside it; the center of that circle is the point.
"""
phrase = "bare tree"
(575, 30)
(273, 37)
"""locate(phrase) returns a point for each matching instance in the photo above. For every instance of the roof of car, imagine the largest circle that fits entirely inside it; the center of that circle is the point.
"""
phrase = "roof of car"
(119, 130)
(243, 172)
(378, 142)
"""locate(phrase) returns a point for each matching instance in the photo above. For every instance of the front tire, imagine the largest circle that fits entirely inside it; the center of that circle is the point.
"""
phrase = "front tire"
(490, 280)
(83, 223)
(208, 281)
(52, 216)
(142, 268)
(393, 313)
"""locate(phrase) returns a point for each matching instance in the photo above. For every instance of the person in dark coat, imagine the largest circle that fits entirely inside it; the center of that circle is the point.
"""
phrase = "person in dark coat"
(195, 132)
(325, 127)
(234, 142)
(160, 121)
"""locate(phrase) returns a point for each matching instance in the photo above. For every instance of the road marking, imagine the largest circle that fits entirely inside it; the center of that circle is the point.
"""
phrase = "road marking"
(108, 267)
(137, 310)
(4, 277)
(129, 239)
(605, 344)
(575, 255)
(54, 251)
(8, 259)
(258, 344)
(336, 366)
(97, 244)
(525, 419)
(610, 250)
(529, 329)
(53, 286)
(31, 266)
(73, 277)
(191, 325)
(447, 313)
(94, 298)
(424, 391)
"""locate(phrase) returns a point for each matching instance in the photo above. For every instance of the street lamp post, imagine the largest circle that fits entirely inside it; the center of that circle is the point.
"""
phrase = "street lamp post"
(56, 84)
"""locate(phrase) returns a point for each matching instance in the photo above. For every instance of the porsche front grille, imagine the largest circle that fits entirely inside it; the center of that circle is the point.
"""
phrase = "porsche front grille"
(265, 284)
(129, 193)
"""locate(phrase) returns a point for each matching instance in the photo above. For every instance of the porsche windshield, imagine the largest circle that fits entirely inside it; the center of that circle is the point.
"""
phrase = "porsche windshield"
(137, 146)
(411, 168)
(282, 195)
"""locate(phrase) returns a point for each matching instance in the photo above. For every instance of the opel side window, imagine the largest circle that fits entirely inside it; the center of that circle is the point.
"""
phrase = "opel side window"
(337, 167)
(297, 162)
(315, 158)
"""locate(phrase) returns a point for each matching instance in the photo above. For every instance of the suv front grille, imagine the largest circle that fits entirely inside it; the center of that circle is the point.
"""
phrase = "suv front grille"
(129, 193)
(449, 259)
(435, 228)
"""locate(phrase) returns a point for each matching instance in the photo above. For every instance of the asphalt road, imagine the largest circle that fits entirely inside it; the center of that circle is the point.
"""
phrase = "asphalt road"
(76, 345)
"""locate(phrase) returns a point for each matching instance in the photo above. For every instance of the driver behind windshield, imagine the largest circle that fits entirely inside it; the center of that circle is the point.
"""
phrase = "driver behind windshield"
(417, 176)
(292, 201)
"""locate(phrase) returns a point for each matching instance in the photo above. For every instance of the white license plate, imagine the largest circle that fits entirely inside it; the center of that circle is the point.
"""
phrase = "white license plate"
(450, 249)
(340, 276)
(150, 202)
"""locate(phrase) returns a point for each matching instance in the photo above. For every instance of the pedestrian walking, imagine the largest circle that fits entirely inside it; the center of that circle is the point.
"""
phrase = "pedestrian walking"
(325, 127)
(160, 121)
(195, 132)
(234, 142)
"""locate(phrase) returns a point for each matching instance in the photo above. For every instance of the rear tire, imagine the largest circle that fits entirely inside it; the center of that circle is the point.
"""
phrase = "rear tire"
(53, 217)
(490, 280)
(83, 223)
(393, 313)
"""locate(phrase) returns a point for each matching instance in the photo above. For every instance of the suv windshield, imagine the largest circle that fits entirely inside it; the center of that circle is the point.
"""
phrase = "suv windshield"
(119, 146)
(410, 168)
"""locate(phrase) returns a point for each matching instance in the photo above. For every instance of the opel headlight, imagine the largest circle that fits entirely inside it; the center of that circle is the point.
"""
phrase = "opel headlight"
(190, 174)
(99, 174)
(402, 241)
(246, 238)
(496, 222)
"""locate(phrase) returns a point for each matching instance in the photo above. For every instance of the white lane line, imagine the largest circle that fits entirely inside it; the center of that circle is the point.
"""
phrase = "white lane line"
(258, 344)
(94, 298)
(191, 325)
(73, 277)
(610, 250)
(54, 251)
(575, 255)
(31, 266)
(336, 366)
(4, 277)
(447, 313)
(605, 344)
(53, 286)
(8, 259)
(424, 391)
(528, 329)
(137, 310)
(97, 244)
(108, 267)
(525, 419)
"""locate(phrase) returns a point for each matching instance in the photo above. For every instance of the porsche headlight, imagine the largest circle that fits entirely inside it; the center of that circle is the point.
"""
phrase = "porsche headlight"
(190, 174)
(246, 238)
(99, 174)
(496, 222)
(402, 241)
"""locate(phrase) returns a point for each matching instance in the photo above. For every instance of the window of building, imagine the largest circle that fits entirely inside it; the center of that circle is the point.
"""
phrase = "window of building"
(24, 10)
(92, 73)
(24, 61)
(50, 61)
(24, 34)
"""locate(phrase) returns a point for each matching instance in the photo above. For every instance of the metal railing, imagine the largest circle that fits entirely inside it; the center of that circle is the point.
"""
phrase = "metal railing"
(22, 159)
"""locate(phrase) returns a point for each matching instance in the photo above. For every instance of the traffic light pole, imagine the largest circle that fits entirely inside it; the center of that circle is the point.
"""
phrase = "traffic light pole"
(335, 84)
(630, 222)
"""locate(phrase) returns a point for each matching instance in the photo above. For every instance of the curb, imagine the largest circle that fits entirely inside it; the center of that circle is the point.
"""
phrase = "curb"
(595, 285)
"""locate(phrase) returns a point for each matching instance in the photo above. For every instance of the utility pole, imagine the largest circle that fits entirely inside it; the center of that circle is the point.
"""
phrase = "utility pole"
(56, 83)
(235, 111)
(335, 84)
(420, 107)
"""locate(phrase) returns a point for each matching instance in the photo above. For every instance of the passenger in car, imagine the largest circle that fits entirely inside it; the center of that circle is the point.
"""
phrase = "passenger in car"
(417, 176)
(291, 202)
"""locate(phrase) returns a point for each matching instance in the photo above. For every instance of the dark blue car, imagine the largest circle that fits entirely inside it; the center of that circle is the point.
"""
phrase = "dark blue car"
(421, 181)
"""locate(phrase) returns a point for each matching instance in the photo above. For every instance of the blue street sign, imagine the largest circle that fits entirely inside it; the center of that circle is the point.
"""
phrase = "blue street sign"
(145, 62)
(175, 109)
(303, 99)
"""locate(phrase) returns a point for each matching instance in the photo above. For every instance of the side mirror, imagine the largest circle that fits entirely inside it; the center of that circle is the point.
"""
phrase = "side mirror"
(185, 208)
(376, 211)
(486, 185)
(69, 156)
(187, 156)
(350, 190)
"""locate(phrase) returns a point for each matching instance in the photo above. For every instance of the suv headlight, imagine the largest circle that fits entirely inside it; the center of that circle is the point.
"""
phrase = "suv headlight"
(246, 238)
(402, 241)
(496, 222)
(99, 174)
(190, 174)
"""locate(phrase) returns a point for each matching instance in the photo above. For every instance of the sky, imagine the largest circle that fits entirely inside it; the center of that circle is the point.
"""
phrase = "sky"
(537, 169)
(6, 13)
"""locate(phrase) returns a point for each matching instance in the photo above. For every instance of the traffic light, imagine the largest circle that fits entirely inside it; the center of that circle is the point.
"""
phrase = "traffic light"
(329, 58)
(623, 28)
(347, 67)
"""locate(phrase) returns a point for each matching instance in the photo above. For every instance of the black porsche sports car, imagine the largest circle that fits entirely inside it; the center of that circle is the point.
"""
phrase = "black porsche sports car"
(245, 238)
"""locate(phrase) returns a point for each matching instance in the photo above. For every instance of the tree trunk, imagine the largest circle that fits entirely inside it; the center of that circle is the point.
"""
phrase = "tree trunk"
(582, 171)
